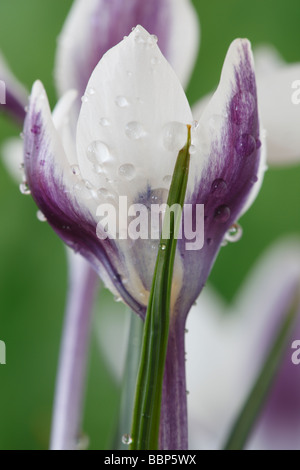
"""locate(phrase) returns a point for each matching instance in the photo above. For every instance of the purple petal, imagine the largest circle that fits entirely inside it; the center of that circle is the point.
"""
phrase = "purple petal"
(228, 162)
(13, 96)
(95, 26)
(68, 211)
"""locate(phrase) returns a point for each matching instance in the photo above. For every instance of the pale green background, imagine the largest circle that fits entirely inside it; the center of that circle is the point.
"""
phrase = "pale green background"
(32, 260)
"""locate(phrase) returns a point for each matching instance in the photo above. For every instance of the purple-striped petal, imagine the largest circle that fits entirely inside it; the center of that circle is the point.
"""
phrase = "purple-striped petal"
(63, 198)
(225, 164)
(95, 26)
(14, 96)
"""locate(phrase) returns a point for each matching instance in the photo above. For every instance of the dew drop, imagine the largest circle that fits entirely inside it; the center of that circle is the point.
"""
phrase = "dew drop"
(242, 107)
(126, 439)
(134, 130)
(36, 129)
(98, 152)
(103, 192)
(41, 217)
(195, 125)
(234, 234)
(83, 442)
(192, 149)
(75, 170)
(118, 298)
(167, 179)
(24, 189)
(122, 102)
(222, 214)
(88, 185)
(174, 136)
(154, 61)
(254, 179)
(218, 187)
(163, 247)
(139, 38)
(84, 99)
(91, 91)
(127, 171)
(26, 108)
(104, 122)
(245, 145)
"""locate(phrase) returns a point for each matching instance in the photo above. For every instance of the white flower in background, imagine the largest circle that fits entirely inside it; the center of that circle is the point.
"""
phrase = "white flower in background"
(226, 347)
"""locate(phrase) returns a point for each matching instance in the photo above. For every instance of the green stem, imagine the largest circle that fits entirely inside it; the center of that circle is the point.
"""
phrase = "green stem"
(147, 408)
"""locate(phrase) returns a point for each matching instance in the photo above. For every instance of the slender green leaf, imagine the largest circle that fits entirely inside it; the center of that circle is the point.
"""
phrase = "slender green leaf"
(146, 415)
(256, 399)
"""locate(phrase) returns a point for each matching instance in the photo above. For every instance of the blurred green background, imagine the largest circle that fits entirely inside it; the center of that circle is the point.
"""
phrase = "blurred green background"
(32, 258)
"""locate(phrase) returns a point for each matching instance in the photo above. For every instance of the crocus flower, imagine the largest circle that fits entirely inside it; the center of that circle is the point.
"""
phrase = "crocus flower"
(130, 129)
(234, 346)
(101, 24)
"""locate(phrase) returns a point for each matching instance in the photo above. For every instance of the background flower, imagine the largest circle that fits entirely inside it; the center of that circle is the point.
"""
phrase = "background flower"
(32, 269)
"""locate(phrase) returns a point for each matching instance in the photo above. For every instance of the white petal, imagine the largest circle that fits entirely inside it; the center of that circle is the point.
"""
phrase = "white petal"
(127, 124)
(62, 118)
(12, 154)
(184, 39)
(280, 116)
(18, 90)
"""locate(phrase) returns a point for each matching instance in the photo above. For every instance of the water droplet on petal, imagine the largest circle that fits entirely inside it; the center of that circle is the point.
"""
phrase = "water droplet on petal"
(167, 179)
(84, 99)
(41, 217)
(127, 171)
(126, 439)
(154, 61)
(36, 129)
(174, 136)
(234, 234)
(222, 214)
(242, 107)
(75, 170)
(245, 145)
(104, 122)
(134, 130)
(91, 91)
(98, 152)
(24, 189)
(83, 442)
(195, 125)
(192, 149)
(254, 179)
(218, 187)
(122, 102)
(258, 143)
